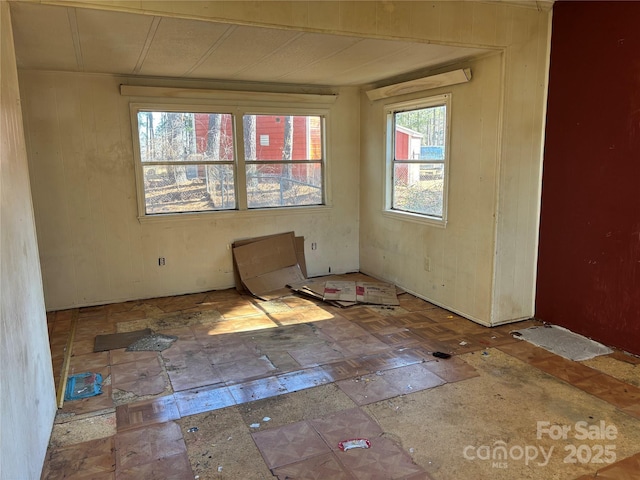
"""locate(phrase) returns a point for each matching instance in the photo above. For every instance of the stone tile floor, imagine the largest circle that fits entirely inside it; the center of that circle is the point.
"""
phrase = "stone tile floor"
(332, 368)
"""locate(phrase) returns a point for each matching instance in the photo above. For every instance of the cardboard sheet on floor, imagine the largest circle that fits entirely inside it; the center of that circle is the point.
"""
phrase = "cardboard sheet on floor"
(563, 342)
(267, 266)
(314, 288)
(340, 290)
(377, 293)
(299, 248)
(114, 341)
(336, 291)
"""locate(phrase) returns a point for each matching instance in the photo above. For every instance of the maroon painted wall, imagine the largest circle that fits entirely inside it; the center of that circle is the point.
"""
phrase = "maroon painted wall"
(589, 255)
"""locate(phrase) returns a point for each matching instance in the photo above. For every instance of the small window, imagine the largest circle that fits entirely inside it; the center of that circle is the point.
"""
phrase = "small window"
(187, 161)
(417, 146)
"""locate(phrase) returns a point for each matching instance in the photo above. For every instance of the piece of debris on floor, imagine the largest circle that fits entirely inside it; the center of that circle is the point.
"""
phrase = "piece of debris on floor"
(563, 342)
(156, 342)
(115, 341)
(441, 355)
(83, 385)
(354, 443)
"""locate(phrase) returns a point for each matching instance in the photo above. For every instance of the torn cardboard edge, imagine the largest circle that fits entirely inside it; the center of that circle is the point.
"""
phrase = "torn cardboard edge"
(377, 293)
(339, 290)
(344, 293)
(315, 289)
(266, 265)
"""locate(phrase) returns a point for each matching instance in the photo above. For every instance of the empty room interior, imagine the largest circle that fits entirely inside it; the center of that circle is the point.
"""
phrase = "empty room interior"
(320, 240)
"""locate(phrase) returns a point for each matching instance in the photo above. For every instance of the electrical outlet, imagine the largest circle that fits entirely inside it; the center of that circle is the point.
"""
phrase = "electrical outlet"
(161, 261)
(314, 246)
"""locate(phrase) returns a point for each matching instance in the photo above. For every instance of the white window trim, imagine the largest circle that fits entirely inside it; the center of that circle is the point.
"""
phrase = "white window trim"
(389, 139)
(237, 110)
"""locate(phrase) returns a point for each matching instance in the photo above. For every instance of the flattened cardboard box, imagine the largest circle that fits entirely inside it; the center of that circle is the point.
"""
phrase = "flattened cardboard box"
(267, 266)
(377, 293)
(344, 291)
(299, 247)
(315, 289)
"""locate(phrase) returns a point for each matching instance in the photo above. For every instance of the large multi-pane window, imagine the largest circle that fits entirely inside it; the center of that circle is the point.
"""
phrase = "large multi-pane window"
(417, 146)
(192, 161)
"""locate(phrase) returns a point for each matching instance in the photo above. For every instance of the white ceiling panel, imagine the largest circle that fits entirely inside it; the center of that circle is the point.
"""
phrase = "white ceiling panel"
(411, 58)
(179, 44)
(352, 60)
(71, 38)
(111, 41)
(43, 37)
(244, 47)
(305, 50)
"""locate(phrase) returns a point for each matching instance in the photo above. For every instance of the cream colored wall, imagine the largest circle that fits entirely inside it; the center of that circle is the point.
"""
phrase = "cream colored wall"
(460, 255)
(485, 259)
(521, 30)
(27, 396)
(518, 210)
(94, 249)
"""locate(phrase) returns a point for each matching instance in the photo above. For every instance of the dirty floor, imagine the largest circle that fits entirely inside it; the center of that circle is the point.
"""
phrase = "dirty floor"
(262, 390)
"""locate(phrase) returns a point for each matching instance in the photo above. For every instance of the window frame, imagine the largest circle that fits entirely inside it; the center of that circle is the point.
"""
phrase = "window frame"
(282, 112)
(390, 139)
(237, 110)
(139, 168)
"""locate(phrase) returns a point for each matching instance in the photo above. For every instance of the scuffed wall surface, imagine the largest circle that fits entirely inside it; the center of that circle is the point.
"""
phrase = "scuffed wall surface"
(485, 259)
(519, 30)
(27, 396)
(93, 248)
(460, 256)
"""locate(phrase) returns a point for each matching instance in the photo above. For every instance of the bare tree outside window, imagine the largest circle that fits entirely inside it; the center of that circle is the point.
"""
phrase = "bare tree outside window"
(187, 161)
(286, 167)
(249, 131)
(287, 151)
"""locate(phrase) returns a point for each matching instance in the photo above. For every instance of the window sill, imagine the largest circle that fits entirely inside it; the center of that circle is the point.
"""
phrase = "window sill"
(232, 214)
(415, 218)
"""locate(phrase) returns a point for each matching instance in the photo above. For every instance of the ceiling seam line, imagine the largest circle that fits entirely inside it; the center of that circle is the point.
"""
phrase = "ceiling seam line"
(273, 52)
(153, 28)
(75, 35)
(318, 60)
(212, 49)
